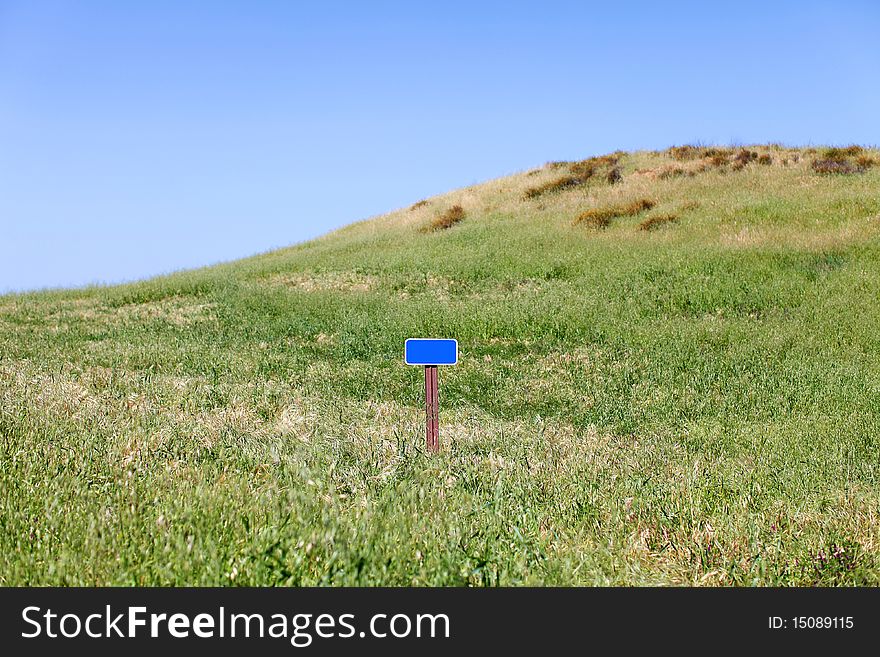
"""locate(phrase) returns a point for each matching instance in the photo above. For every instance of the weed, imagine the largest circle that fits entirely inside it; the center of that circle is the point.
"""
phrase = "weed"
(842, 153)
(716, 155)
(601, 217)
(657, 221)
(745, 156)
(578, 174)
(585, 169)
(446, 220)
(836, 167)
(674, 172)
(417, 205)
(640, 205)
(589, 167)
(556, 185)
(685, 153)
(837, 161)
(597, 221)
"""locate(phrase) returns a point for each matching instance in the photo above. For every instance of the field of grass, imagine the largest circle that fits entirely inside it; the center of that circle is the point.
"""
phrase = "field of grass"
(693, 399)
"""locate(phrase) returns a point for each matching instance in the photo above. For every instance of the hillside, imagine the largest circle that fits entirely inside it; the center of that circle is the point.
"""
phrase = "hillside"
(668, 375)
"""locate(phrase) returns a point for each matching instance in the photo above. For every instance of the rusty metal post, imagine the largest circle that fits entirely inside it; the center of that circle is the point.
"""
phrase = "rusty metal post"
(432, 409)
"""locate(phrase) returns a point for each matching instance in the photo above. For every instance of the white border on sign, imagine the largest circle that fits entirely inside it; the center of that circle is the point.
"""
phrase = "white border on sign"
(406, 362)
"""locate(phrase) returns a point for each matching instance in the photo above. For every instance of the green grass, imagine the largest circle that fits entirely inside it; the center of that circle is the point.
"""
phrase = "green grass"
(693, 405)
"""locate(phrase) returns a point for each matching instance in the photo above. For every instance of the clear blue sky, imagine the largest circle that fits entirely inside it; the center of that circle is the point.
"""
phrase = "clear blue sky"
(137, 138)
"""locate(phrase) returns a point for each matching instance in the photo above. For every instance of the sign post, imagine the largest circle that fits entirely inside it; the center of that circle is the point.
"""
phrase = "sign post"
(432, 409)
(431, 353)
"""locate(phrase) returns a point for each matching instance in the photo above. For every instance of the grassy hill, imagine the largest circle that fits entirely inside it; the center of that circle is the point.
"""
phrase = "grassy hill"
(669, 374)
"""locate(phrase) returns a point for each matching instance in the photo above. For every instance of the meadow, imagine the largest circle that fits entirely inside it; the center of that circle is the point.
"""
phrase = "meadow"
(668, 375)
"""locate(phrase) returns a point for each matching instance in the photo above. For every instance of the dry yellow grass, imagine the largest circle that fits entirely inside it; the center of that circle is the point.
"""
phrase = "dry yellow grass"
(324, 281)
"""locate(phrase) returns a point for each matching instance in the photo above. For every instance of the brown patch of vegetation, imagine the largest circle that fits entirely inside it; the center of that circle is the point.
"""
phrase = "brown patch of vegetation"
(666, 172)
(417, 205)
(717, 152)
(684, 153)
(689, 152)
(835, 167)
(597, 221)
(689, 205)
(674, 172)
(655, 222)
(841, 154)
(591, 165)
(765, 159)
(446, 220)
(609, 160)
(601, 217)
(745, 156)
(837, 161)
(637, 206)
(578, 173)
(556, 185)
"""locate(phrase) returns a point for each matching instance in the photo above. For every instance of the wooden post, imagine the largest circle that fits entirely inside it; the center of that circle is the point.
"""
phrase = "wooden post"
(432, 409)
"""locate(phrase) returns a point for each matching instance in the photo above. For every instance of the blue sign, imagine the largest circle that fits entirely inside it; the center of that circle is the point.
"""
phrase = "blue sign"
(427, 351)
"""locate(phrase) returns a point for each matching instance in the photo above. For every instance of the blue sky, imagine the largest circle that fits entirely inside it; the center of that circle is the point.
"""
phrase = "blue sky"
(137, 138)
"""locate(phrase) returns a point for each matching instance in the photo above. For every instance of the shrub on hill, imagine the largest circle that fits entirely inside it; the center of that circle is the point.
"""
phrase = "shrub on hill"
(557, 184)
(841, 154)
(837, 161)
(689, 152)
(578, 174)
(657, 221)
(831, 167)
(745, 156)
(674, 172)
(601, 217)
(446, 220)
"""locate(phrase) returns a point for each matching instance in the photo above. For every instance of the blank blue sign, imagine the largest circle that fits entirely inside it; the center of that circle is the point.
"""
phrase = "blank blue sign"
(428, 351)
